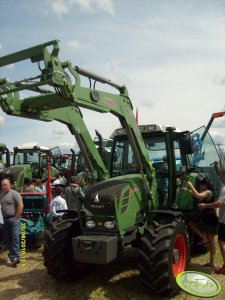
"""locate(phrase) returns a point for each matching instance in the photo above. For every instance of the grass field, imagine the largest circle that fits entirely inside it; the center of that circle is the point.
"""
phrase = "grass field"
(118, 280)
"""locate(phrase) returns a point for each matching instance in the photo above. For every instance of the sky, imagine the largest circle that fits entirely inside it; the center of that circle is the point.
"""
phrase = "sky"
(170, 54)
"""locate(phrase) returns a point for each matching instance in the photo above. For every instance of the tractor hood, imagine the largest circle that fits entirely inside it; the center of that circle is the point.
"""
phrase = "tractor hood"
(106, 196)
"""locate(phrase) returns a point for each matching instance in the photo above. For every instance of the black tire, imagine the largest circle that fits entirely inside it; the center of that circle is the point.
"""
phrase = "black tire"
(164, 253)
(58, 254)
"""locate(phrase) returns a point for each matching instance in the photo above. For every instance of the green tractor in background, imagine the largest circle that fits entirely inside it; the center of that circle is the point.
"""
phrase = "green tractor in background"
(123, 206)
(29, 161)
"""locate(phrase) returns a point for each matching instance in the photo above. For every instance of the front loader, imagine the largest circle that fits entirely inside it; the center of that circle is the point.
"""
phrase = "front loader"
(123, 206)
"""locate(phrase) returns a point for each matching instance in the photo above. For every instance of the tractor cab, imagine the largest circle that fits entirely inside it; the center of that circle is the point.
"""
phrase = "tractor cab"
(187, 158)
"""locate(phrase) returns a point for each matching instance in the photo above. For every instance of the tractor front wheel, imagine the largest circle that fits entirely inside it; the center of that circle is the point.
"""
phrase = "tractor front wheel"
(58, 254)
(164, 253)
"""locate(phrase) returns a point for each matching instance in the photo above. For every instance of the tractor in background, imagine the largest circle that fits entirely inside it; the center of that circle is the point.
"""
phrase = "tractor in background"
(29, 160)
(33, 161)
(122, 207)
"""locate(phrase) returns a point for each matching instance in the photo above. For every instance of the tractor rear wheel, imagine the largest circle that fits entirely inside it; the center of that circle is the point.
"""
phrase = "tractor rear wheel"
(164, 253)
(58, 254)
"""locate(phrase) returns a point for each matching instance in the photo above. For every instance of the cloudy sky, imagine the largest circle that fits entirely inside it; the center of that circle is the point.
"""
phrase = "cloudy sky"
(169, 53)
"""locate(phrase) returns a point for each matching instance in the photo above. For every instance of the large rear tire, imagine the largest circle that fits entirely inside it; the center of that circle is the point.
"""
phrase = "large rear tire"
(58, 254)
(164, 253)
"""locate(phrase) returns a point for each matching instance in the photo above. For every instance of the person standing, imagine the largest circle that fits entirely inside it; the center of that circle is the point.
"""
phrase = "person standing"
(27, 187)
(74, 193)
(39, 186)
(12, 207)
(206, 224)
(58, 203)
(220, 203)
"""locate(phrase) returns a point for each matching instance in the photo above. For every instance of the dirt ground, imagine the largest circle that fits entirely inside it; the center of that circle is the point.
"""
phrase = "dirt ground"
(119, 280)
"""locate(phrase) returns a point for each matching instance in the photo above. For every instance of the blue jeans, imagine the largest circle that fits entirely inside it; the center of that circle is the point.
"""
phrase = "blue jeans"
(12, 235)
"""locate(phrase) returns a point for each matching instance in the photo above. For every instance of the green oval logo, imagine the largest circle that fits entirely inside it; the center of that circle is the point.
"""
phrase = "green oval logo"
(198, 284)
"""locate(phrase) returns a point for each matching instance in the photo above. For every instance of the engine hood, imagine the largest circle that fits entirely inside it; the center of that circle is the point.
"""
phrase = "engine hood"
(102, 198)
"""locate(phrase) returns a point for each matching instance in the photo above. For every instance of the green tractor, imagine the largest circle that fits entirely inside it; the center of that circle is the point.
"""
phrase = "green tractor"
(29, 161)
(123, 206)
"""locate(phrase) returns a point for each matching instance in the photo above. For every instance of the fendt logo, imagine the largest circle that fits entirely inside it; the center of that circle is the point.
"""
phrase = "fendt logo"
(96, 203)
(109, 102)
(96, 200)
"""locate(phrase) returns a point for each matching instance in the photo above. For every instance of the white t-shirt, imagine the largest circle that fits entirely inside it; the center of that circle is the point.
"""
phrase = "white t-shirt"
(58, 203)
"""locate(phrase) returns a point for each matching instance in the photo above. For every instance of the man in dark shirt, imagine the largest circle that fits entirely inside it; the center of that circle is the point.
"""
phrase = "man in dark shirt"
(12, 207)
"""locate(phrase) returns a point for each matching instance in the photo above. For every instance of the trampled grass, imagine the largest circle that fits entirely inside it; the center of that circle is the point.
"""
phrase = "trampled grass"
(118, 280)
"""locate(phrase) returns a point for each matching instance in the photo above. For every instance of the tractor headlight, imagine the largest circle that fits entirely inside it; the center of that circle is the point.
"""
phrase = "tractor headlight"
(109, 225)
(91, 224)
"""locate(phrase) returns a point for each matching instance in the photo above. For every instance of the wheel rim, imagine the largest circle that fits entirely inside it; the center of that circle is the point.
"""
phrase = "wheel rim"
(179, 255)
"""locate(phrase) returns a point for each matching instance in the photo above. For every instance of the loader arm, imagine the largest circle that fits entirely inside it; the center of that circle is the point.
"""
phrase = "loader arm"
(62, 99)
(214, 116)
